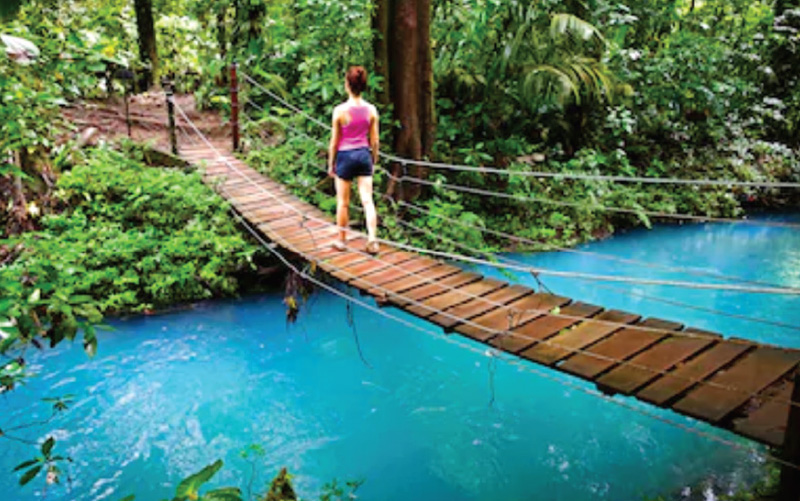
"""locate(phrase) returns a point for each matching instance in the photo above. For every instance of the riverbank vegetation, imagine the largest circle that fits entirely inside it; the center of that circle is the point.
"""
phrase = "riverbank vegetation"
(659, 88)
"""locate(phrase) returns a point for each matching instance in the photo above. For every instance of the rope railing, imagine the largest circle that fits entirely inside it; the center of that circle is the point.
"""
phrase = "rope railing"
(499, 355)
(607, 278)
(542, 174)
(509, 333)
(677, 269)
(637, 212)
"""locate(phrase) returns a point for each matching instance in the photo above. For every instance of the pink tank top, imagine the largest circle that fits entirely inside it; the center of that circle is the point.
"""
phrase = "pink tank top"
(355, 133)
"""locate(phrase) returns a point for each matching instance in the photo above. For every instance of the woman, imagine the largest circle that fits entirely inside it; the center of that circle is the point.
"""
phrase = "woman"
(352, 154)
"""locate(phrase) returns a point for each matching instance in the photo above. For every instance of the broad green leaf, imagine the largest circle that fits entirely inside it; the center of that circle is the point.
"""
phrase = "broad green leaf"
(30, 474)
(26, 464)
(224, 494)
(47, 446)
(190, 486)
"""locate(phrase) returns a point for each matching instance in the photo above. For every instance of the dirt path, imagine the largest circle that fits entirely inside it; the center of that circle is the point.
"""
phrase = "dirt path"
(148, 114)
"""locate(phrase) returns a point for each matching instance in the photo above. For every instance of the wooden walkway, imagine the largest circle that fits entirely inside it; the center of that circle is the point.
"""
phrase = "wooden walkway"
(735, 384)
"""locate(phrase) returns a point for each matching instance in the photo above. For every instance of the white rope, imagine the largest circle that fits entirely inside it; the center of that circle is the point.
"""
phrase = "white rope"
(550, 201)
(766, 288)
(595, 177)
(541, 174)
(598, 255)
(604, 208)
(601, 278)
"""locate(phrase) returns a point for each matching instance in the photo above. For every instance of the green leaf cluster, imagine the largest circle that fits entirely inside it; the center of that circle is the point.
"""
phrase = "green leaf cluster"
(136, 237)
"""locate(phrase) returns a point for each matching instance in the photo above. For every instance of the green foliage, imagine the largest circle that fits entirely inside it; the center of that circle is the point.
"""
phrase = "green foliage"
(46, 462)
(137, 237)
(36, 309)
(333, 491)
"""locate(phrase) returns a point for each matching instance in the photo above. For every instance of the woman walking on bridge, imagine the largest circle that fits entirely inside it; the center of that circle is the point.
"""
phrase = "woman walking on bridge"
(352, 154)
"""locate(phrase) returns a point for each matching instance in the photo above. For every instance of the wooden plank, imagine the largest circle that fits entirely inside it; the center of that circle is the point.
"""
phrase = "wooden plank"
(287, 222)
(579, 337)
(651, 363)
(392, 261)
(750, 375)
(427, 289)
(354, 243)
(437, 272)
(260, 216)
(683, 377)
(238, 185)
(347, 274)
(768, 415)
(315, 236)
(523, 311)
(265, 198)
(375, 280)
(477, 307)
(621, 345)
(439, 302)
(542, 328)
(304, 228)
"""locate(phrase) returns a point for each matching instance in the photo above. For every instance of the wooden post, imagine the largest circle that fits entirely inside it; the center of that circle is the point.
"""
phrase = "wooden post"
(235, 107)
(173, 140)
(789, 489)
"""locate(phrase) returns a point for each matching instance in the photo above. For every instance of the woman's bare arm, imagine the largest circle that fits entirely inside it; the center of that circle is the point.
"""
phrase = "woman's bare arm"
(374, 134)
(336, 133)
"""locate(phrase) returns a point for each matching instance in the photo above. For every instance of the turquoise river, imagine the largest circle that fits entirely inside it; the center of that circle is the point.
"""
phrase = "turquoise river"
(427, 419)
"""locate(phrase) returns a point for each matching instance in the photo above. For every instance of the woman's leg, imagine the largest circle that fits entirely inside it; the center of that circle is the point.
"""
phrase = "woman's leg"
(342, 205)
(365, 191)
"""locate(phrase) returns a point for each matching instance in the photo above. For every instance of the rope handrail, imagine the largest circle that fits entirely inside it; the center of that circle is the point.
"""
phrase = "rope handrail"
(604, 208)
(578, 205)
(544, 174)
(509, 333)
(676, 269)
(607, 278)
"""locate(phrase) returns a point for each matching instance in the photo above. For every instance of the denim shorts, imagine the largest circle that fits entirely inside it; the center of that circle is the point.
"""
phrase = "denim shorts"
(353, 163)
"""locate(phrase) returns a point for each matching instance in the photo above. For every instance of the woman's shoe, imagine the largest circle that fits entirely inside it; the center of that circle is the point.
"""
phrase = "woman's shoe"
(373, 248)
(339, 245)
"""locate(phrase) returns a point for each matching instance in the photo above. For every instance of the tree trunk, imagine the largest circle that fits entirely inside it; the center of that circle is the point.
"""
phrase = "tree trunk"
(403, 57)
(147, 41)
(222, 36)
(380, 30)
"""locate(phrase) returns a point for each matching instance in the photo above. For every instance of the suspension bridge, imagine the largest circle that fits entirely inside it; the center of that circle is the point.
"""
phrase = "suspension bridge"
(748, 388)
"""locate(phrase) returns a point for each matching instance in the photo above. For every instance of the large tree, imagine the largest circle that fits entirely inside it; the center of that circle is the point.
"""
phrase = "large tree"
(403, 59)
(147, 41)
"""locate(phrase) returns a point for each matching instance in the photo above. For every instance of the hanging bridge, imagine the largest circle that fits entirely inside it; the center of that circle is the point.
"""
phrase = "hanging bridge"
(748, 388)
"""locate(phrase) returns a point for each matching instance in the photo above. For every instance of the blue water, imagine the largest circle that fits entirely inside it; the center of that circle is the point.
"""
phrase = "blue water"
(171, 393)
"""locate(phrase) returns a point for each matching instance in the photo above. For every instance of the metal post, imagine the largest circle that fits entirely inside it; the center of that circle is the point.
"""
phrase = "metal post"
(173, 140)
(235, 107)
(789, 489)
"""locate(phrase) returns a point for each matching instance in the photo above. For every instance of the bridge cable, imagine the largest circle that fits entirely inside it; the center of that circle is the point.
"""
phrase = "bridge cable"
(685, 270)
(541, 174)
